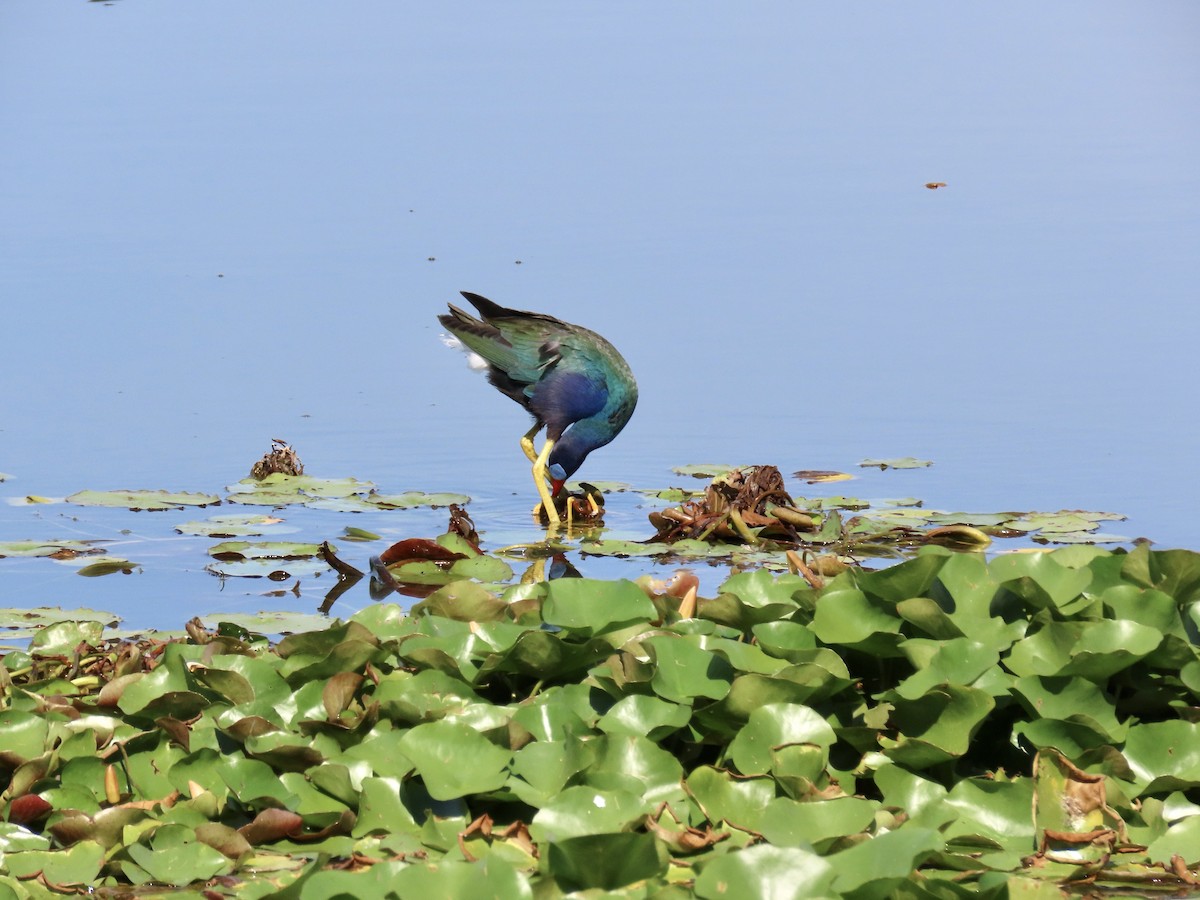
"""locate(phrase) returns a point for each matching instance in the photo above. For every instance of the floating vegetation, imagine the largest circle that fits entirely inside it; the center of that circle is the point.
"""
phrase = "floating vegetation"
(51, 549)
(277, 560)
(230, 526)
(137, 500)
(814, 476)
(751, 507)
(702, 470)
(746, 505)
(906, 462)
(947, 726)
(334, 494)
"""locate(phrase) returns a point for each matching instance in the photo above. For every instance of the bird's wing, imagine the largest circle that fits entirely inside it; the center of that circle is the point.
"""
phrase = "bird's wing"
(563, 396)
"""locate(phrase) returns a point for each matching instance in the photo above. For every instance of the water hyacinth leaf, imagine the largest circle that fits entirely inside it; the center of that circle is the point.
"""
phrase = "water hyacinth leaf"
(1182, 839)
(465, 601)
(604, 861)
(725, 797)
(884, 861)
(65, 637)
(441, 751)
(785, 639)
(1041, 580)
(622, 757)
(1071, 699)
(790, 823)
(23, 735)
(543, 768)
(911, 578)
(849, 618)
(178, 863)
(638, 714)
(954, 661)
(77, 865)
(594, 607)
(762, 590)
(1093, 650)
(583, 810)
(781, 873)
(936, 727)
(773, 726)
(142, 499)
(685, 671)
(1174, 572)
(1164, 756)
(482, 568)
(451, 878)
(992, 809)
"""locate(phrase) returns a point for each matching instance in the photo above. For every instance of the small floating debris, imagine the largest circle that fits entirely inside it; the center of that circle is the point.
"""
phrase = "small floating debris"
(282, 459)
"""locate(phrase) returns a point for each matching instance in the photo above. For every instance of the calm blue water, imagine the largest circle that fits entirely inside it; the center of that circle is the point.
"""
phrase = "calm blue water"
(217, 221)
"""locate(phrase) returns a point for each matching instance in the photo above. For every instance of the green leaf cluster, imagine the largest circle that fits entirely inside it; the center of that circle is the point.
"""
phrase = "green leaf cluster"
(943, 727)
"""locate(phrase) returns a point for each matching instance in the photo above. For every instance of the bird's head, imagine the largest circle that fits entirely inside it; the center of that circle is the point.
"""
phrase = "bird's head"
(565, 459)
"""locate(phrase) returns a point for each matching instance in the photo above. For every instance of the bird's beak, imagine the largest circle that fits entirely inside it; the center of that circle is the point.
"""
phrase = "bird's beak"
(556, 485)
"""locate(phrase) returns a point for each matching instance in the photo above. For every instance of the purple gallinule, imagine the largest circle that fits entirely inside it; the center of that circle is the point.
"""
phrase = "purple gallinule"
(571, 380)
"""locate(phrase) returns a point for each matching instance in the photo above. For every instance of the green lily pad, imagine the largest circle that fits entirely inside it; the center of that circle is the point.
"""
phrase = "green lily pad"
(413, 499)
(903, 462)
(62, 549)
(268, 622)
(230, 526)
(703, 470)
(142, 499)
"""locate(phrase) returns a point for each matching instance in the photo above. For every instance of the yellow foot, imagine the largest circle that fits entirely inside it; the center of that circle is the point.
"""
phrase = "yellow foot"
(539, 479)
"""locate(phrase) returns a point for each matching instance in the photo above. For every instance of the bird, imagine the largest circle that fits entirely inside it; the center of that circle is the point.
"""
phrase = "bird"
(571, 380)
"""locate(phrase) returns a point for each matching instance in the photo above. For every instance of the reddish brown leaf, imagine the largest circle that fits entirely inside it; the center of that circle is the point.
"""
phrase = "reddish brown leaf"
(411, 549)
(28, 808)
(272, 825)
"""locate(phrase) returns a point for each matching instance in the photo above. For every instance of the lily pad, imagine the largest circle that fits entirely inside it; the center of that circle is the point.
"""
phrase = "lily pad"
(143, 499)
(55, 549)
(903, 462)
(703, 470)
(235, 525)
(413, 499)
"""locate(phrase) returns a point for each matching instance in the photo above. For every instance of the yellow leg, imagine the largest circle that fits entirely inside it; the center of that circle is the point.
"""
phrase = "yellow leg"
(527, 443)
(539, 479)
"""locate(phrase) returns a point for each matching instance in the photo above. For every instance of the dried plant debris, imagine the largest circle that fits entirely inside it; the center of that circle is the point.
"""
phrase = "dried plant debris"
(282, 459)
(745, 505)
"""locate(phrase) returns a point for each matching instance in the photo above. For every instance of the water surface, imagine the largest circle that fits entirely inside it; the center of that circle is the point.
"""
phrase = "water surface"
(227, 222)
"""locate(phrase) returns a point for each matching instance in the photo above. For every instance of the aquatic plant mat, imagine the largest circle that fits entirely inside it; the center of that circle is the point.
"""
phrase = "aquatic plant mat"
(1025, 726)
